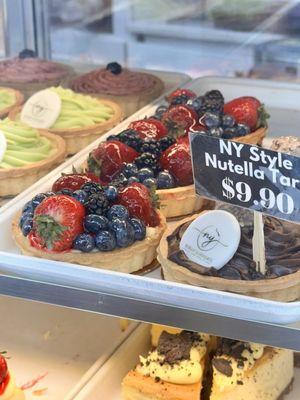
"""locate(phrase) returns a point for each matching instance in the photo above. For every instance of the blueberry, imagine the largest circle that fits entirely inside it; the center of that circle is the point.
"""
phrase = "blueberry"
(145, 173)
(80, 195)
(228, 121)
(49, 194)
(125, 234)
(38, 199)
(95, 223)
(27, 226)
(130, 170)
(116, 224)
(139, 228)
(229, 133)
(28, 207)
(84, 242)
(26, 215)
(117, 211)
(26, 53)
(132, 179)
(150, 183)
(216, 132)
(160, 111)
(210, 120)
(114, 67)
(105, 241)
(242, 130)
(195, 103)
(165, 180)
(111, 192)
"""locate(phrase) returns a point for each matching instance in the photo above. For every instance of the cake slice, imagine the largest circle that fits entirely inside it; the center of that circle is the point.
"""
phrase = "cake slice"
(173, 371)
(248, 371)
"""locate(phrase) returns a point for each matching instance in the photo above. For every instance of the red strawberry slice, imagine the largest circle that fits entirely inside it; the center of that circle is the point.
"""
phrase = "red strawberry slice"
(196, 127)
(149, 128)
(180, 92)
(184, 140)
(247, 110)
(177, 160)
(137, 199)
(3, 368)
(57, 221)
(178, 119)
(108, 158)
(74, 181)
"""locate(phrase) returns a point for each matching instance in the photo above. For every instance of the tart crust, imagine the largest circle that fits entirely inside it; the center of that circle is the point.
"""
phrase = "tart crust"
(78, 138)
(15, 180)
(255, 137)
(18, 102)
(128, 260)
(285, 288)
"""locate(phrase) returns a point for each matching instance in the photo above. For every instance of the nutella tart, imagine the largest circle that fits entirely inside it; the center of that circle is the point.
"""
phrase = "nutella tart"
(26, 154)
(251, 371)
(280, 282)
(132, 90)
(174, 370)
(114, 227)
(29, 74)
(9, 99)
(82, 118)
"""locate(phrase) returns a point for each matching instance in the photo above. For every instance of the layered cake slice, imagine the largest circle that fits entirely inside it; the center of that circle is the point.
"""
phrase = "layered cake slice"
(248, 371)
(175, 370)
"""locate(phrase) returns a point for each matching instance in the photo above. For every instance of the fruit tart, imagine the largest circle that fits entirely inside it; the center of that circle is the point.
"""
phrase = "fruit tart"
(239, 275)
(8, 388)
(82, 119)
(29, 74)
(116, 227)
(250, 371)
(176, 369)
(9, 99)
(132, 90)
(26, 154)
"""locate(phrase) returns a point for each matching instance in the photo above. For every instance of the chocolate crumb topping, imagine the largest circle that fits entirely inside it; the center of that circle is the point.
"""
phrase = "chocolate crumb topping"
(176, 348)
(223, 366)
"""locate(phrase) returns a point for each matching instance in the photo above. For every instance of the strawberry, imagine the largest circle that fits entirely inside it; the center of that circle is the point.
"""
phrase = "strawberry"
(196, 127)
(73, 181)
(137, 199)
(184, 140)
(149, 128)
(247, 110)
(108, 158)
(177, 160)
(4, 375)
(179, 118)
(57, 221)
(180, 92)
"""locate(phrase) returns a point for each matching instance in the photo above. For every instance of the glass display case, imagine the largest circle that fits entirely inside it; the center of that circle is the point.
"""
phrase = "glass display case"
(97, 100)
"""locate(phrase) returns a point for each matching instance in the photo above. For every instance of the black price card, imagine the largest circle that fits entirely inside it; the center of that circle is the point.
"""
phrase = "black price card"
(247, 176)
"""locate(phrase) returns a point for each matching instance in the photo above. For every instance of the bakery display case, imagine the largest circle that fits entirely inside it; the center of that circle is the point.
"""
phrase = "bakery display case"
(101, 290)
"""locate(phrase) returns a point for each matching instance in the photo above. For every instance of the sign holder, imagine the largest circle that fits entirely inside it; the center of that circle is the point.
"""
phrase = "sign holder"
(258, 243)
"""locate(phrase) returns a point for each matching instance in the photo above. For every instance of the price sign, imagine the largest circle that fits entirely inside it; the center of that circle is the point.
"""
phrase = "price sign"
(247, 176)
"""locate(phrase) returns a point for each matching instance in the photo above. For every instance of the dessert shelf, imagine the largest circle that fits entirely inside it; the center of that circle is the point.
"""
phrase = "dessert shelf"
(149, 298)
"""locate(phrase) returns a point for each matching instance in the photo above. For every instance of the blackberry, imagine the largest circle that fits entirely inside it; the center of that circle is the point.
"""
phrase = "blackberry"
(92, 188)
(147, 160)
(119, 181)
(129, 137)
(97, 203)
(181, 99)
(213, 101)
(151, 146)
(114, 67)
(165, 142)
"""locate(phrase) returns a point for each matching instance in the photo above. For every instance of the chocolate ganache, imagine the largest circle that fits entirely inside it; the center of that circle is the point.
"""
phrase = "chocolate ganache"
(282, 245)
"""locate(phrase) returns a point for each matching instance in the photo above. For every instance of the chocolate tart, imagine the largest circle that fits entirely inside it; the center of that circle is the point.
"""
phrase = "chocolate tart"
(128, 260)
(78, 138)
(132, 90)
(19, 99)
(284, 288)
(14, 180)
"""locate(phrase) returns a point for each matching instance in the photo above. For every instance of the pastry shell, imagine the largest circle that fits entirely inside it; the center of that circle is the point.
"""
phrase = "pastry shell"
(19, 99)
(15, 180)
(78, 138)
(255, 137)
(285, 288)
(128, 260)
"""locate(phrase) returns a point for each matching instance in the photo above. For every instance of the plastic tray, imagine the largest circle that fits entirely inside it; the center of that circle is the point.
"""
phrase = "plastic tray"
(149, 289)
(59, 346)
(107, 382)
